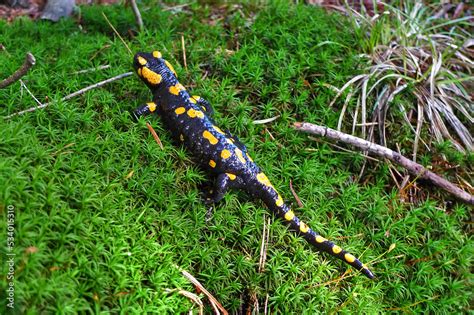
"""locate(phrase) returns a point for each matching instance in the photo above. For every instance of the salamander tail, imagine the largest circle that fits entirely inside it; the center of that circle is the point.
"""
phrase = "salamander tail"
(274, 201)
(318, 241)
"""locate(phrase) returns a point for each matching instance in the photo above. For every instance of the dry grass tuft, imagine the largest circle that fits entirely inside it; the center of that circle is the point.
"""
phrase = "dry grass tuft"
(418, 65)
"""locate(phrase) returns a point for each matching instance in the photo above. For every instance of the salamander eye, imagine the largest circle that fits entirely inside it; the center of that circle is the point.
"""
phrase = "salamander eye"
(157, 54)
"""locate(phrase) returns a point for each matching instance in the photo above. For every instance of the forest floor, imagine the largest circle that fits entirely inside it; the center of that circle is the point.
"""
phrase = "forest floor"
(103, 216)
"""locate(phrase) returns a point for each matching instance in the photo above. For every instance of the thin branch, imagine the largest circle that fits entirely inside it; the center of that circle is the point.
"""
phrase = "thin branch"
(193, 297)
(27, 64)
(90, 87)
(298, 200)
(138, 16)
(92, 69)
(194, 281)
(412, 167)
(117, 33)
(153, 133)
(265, 309)
(264, 245)
(184, 52)
(265, 121)
(176, 7)
(29, 92)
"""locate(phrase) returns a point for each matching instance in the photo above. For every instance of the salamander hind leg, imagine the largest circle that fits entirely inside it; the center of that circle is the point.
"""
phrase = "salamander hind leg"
(222, 184)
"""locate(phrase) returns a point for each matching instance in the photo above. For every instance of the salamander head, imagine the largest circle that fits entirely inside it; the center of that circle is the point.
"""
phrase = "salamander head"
(153, 69)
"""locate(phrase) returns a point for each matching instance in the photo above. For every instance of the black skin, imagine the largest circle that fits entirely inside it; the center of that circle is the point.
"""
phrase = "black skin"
(224, 156)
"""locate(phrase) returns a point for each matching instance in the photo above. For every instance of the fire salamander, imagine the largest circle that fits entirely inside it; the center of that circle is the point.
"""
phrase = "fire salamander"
(189, 120)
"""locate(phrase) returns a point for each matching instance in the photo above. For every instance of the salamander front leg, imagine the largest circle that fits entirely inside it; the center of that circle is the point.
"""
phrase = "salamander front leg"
(143, 110)
(205, 105)
(236, 141)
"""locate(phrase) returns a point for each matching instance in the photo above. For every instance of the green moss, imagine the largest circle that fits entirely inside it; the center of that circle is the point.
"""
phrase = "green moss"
(107, 241)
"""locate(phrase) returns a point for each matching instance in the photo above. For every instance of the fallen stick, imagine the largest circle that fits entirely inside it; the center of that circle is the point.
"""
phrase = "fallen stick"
(27, 64)
(138, 16)
(92, 69)
(412, 167)
(82, 91)
(153, 133)
(215, 304)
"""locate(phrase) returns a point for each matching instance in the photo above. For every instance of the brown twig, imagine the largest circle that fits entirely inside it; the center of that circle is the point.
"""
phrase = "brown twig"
(27, 64)
(194, 281)
(153, 132)
(412, 167)
(298, 200)
(82, 91)
(138, 16)
(117, 33)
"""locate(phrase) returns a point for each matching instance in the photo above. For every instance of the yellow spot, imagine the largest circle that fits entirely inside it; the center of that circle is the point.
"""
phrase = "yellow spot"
(171, 68)
(181, 137)
(240, 156)
(303, 227)
(195, 113)
(192, 100)
(248, 156)
(191, 113)
(175, 89)
(262, 178)
(212, 163)
(142, 60)
(231, 176)
(320, 239)
(179, 110)
(218, 130)
(139, 71)
(199, 114)
(289, 215)
(364, 266)
(150, 76)
(279, 201)
(209, 136)
(225, 154)
(336, 249)
(196, 97)
(349, 258)
(230, 141)
(151, 106)
(203, 108)
(157, 54)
